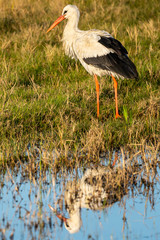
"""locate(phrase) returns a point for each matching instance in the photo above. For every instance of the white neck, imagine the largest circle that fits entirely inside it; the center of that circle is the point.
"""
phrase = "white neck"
(72, 25)
(70, 35)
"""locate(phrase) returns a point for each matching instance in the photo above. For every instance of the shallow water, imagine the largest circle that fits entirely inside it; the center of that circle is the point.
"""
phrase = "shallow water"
(25, 214)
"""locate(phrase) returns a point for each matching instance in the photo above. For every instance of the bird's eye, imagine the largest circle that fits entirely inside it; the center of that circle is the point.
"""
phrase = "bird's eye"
(65, 12)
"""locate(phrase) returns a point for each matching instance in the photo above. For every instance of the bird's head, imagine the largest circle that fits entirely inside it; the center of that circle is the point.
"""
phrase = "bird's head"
(69, 12)
(72, 224)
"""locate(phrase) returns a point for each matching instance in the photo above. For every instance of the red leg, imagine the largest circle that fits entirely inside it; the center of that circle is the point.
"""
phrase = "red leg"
(116, 98)
(115, 159)
(97, 90)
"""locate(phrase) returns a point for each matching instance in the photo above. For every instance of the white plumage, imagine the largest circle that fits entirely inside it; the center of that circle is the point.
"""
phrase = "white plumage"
(97, 50)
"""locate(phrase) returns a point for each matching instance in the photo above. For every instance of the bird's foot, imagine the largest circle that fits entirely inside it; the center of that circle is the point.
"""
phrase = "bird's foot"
(117, 116)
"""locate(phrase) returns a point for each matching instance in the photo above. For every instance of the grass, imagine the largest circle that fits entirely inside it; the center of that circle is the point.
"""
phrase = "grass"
(48, 98)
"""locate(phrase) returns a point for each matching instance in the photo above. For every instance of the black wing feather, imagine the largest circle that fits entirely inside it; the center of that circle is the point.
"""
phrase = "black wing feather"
(114, 44)
(117, 62)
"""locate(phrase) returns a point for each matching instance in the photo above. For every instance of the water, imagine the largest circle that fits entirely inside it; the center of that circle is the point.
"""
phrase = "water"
(91, 212)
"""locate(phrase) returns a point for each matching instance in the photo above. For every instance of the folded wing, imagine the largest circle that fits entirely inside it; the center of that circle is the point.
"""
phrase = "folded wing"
(106, 53)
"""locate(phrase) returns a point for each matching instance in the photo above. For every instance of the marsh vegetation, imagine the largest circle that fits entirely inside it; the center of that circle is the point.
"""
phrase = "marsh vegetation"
(47, 97)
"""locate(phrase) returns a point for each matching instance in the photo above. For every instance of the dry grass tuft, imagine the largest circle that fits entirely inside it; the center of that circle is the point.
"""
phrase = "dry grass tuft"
(94, 139)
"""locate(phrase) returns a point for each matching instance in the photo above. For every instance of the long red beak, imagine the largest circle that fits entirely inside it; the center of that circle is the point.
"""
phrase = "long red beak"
(61, 217)
(61, 18)
(58, 214)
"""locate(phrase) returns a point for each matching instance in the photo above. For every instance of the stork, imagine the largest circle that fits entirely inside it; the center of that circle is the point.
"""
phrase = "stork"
(94, 191)
(99, 53)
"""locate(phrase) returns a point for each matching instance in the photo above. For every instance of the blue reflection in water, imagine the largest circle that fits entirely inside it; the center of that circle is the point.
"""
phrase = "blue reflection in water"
(24, 211)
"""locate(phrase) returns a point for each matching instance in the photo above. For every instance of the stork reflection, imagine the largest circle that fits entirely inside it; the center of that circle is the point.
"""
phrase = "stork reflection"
(93, 191)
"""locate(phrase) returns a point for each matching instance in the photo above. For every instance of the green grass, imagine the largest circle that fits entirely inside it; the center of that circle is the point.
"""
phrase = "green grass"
(49, 98)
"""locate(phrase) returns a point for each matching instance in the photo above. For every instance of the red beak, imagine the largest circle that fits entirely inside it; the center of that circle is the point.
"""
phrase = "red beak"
(61, 217)
(61, 18)
(58, 214)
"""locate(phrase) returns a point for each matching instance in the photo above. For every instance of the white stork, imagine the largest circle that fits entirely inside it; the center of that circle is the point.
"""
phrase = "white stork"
(97, 50)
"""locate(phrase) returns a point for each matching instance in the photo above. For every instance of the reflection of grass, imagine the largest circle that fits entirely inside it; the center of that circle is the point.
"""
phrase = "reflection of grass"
(45, 96)
(133, 170)
(61, 184)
